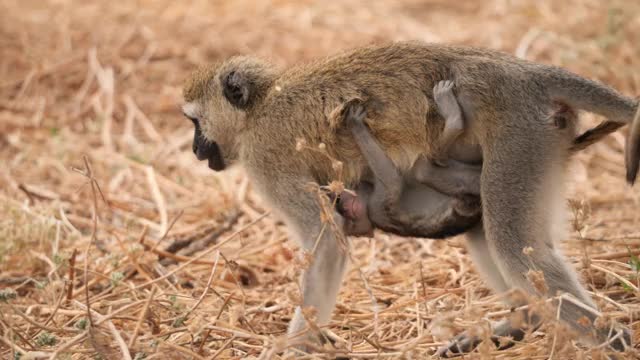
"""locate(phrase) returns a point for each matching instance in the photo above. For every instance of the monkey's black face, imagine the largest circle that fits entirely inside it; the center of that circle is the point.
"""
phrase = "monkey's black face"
(204, 149)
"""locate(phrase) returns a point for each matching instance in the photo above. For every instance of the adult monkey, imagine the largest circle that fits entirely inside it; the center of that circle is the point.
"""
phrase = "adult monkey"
(253, 114)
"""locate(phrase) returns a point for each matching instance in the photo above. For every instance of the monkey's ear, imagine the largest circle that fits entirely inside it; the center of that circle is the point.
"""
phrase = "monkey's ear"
(236, 88)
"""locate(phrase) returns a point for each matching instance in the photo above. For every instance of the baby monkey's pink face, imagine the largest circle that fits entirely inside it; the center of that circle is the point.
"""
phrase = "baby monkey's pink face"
(354, 210)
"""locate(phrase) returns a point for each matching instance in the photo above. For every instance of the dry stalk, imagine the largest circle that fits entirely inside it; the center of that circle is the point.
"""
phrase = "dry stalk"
(206, 288)
(72, 275)
(143, 315)
(124, 350)
(158, 198)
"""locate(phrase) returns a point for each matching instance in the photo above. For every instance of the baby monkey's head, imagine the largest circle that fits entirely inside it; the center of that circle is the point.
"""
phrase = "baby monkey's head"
(353, 209)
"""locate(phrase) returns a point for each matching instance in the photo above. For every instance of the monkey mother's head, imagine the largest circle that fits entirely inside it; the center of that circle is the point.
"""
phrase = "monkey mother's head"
(218, 100)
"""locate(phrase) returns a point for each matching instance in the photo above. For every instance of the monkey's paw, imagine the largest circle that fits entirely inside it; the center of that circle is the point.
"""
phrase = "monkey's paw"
(468, 206)
(445, 98)
(461, 344)
(355, 113)
(466, 343)
(443, 88)
(620, 342)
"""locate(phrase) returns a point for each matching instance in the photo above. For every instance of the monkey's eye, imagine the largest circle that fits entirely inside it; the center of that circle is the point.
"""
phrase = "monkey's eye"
(193, 119)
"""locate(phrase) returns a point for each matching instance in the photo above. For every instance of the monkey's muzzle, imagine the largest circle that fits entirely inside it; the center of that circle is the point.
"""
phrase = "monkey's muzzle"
(216, 162)
(211, 152)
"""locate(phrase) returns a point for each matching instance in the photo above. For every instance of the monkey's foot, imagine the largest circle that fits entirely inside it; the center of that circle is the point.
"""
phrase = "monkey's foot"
(461, 344)
(446, 101)
(316, 344)
(466, 343)
(620, 340)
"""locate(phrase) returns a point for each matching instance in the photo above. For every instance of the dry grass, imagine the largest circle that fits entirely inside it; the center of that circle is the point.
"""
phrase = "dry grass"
(102, 80)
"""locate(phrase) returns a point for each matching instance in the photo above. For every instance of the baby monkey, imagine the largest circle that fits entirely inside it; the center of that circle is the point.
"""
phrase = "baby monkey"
(437, 199)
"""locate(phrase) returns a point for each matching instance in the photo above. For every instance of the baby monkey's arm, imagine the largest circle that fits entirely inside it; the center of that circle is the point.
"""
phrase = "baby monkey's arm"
(388, 182)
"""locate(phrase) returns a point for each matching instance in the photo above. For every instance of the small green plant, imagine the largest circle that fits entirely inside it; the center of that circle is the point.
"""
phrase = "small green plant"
(58, 259)
(116, 278)
(135, 249)
(175, 305)
(178, 322)
(114, 259)
(154, 344)
(634, 261)
(81, 324)
(46, 339)
(41, 284)
(136, 158)
(7, 294)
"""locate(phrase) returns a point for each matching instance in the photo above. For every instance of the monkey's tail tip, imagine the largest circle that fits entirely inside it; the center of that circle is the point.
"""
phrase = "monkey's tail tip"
(632, 173)
(632, 149)
(632, 160)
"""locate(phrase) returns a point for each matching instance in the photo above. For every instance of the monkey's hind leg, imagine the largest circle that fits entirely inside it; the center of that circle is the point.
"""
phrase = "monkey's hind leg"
(486, 266)
(520, 214)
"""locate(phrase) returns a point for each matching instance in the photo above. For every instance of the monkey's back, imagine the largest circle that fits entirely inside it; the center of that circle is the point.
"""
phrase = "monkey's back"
(396, 81)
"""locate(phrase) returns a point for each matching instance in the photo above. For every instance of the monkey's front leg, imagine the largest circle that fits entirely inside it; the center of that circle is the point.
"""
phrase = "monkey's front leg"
(321, 281)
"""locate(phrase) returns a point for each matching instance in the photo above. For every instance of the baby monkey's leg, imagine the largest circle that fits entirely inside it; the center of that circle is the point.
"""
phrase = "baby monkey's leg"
(450, 110)
(456, 179)
(448, 176)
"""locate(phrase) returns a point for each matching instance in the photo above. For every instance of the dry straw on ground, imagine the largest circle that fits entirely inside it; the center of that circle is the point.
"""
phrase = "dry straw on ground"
(116, 243)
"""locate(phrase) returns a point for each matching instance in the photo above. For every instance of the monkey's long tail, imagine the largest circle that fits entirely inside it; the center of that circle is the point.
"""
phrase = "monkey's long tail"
(632, 152)
(589, 95)
(592, 96)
